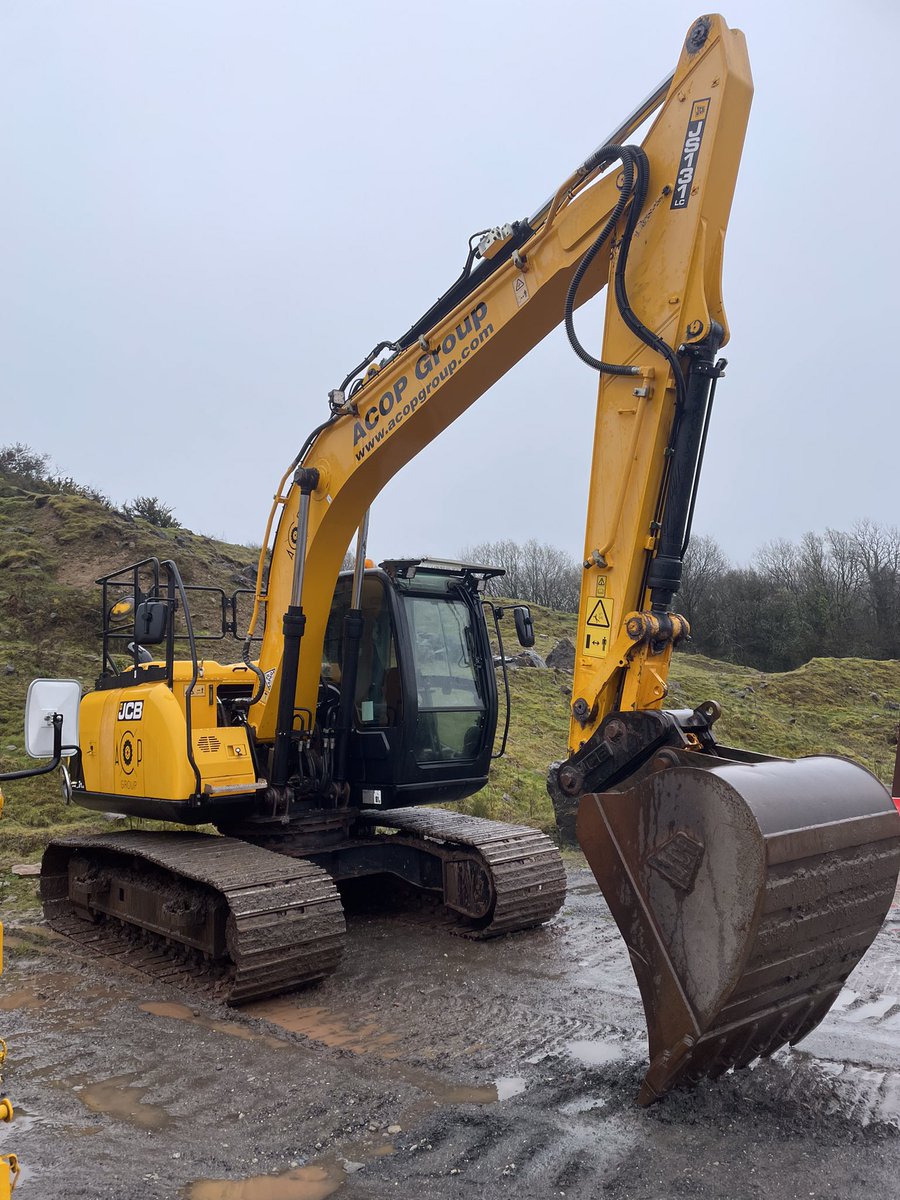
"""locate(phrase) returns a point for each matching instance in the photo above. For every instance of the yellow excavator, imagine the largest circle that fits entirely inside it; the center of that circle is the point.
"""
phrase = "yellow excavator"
(746, 887)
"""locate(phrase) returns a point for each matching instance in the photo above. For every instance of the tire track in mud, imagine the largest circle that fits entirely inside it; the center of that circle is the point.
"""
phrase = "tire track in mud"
(416, 1031)
(856, 1049)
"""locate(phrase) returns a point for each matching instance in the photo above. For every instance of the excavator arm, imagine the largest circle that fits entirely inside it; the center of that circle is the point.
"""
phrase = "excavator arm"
(672, 286)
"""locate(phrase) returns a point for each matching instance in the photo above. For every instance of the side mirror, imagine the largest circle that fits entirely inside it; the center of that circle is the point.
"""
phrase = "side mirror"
(524, 625)
(46, 697)
(150, 622)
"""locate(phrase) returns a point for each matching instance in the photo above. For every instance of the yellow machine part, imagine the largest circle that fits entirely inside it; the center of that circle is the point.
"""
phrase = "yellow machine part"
(9, 1175)
(146, 727)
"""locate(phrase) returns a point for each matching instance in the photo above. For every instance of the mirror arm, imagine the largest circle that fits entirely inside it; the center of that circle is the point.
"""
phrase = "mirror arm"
(54, 762)
(497, 613)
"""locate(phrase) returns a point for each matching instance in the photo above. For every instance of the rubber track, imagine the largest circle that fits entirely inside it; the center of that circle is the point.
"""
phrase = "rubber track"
(285, 924)
(526, 868)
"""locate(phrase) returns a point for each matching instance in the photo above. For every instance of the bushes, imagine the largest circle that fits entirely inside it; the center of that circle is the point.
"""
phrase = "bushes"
(152, 509)
(23, 465)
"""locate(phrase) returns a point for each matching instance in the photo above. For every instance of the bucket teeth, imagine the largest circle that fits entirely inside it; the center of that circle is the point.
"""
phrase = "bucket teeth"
(746, 893)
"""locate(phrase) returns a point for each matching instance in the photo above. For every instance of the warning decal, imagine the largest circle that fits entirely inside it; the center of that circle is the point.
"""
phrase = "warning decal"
(598, 628)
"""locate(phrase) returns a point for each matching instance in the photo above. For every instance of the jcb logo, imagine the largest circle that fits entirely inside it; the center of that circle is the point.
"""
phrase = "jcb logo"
(131, 710)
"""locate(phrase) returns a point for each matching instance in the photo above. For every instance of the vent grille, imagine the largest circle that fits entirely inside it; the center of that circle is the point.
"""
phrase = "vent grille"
(208, 744)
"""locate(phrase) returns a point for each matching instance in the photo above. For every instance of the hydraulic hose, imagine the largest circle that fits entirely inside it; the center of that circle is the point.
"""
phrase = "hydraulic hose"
(635, 182)
(625, 154)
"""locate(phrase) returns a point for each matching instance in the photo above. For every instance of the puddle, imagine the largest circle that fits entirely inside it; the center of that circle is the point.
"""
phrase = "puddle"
(582, 1104)
(24, 998)
(320, 1025)
(117, 1098)
(22, 1121)
(300, 1183)
(450, 1093)
(62, 987)
(594, 1053)
(508, 1086)
(181, 1012)
(875, 1010)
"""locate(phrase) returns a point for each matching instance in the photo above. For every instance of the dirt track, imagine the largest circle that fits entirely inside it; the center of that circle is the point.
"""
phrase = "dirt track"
(510, 1069)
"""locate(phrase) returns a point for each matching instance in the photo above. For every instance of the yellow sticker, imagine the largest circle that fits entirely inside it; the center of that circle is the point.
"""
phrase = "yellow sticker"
(601, 585)
(597, 634)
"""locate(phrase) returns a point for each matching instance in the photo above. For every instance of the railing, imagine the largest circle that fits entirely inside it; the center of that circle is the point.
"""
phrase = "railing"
(152, 581)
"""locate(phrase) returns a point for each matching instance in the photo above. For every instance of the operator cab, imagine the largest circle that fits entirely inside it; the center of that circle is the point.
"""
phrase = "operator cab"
(425, 709)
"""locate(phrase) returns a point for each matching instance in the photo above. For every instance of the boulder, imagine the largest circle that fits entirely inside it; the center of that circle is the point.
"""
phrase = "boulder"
(526, 658)
(562, 656)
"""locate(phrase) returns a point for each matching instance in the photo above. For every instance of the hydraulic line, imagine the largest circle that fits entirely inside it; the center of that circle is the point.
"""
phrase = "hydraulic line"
(473, 276)
(635, 181)
(626, 155)
(706, 420)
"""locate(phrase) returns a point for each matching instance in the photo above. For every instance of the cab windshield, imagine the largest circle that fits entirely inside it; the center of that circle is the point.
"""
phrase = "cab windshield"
(451, 708)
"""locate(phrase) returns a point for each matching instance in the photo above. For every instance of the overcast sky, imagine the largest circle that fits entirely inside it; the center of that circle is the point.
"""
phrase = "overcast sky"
(211, 210)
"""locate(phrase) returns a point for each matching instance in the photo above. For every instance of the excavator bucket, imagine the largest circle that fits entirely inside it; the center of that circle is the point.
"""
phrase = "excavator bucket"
(746, 891)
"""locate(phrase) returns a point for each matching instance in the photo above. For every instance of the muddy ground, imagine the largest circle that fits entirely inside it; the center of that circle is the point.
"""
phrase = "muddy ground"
(435, 1067)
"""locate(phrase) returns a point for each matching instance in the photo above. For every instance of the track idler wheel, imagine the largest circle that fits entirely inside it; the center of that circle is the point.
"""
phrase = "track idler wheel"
(746, 892)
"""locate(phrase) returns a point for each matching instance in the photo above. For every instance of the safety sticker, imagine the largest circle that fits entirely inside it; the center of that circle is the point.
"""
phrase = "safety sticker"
(597, 635)
(520, 287)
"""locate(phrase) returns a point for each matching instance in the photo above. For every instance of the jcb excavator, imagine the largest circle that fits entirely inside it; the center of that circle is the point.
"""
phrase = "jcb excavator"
(746, 887)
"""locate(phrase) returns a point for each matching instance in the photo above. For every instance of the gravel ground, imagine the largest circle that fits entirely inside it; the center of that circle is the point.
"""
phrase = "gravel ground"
(431, 1065)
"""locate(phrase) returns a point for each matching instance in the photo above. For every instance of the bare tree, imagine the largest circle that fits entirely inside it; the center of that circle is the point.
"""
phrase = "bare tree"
(705, 565)
(535, 571)
(878, 552)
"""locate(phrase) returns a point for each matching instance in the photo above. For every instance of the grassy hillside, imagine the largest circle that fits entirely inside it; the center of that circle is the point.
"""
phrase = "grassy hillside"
(52, 547)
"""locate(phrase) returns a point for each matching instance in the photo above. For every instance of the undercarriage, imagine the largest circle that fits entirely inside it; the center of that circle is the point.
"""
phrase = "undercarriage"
(247, 920)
